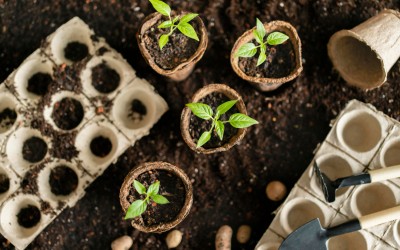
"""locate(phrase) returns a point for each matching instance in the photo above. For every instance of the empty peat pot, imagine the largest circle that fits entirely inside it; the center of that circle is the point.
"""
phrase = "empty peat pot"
(192, 126)
(174, 60)
(281, 67)
(175, 185)
(364, 55)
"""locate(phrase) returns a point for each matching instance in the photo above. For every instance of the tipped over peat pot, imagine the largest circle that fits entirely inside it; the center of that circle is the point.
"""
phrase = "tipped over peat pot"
(283, 62)
(179, 56)
(175, 185)
(192, 126)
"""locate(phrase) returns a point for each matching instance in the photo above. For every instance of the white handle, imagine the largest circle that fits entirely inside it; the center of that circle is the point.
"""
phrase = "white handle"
(385, 173)
(377, 218)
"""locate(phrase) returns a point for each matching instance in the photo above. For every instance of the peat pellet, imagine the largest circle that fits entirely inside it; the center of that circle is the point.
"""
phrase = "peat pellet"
(223, 238)
(243, 234)
(276, 190)
(122, 243)
(173, 238)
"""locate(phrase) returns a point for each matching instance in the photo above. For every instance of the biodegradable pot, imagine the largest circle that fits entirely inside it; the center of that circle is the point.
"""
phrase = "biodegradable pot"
(364, 55)
(269, 84)
(183, 70)
(187, 113)
(145, 167)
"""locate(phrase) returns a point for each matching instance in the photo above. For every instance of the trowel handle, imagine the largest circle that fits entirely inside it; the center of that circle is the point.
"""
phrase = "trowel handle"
(380, 217)
(385, 173)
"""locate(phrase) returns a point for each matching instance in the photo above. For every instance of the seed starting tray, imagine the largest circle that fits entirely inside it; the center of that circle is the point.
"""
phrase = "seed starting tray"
(112, 118)
(361, 139)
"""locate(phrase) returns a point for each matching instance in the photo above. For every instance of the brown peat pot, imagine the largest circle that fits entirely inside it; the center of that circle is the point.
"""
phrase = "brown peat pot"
(127, 185)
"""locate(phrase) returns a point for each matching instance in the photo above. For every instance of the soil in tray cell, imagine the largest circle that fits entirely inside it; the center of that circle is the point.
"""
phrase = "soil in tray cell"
(105, 79)
(76, 51)
(100, 146)
(29, 216)
(34, 149)
(63, 180)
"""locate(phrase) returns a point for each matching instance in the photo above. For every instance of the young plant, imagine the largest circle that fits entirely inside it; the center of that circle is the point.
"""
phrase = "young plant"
(250, 49)
(183, 24)
(204, 111)
(139, 206)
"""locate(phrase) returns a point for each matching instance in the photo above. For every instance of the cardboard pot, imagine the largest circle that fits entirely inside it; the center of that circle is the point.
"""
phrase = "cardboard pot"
(149, 166)
(269, 84)
(187, 113)
(183, 70)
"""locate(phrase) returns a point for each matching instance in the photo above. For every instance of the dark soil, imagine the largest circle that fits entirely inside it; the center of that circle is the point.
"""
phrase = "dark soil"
(178, 49)
(101, 146)
(7, 118)
(229, 187)
(34, 149)
(67, 113)
(171, 187)
(63, 180)
(104, 78)
(4, 183)
(197, 125)
(29, 216)
(281, 61)
(76, 51)
(138, 110)
(39, 83)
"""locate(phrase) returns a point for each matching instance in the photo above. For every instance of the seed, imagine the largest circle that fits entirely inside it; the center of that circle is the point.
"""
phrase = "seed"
(122, 243)
(243, 234)
(223, 238)
(275, 190)
(173, 238)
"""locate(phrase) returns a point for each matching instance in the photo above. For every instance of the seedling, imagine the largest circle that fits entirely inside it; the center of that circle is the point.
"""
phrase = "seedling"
(139, 206)
(204, 111)
(183, 24)
(250, 49)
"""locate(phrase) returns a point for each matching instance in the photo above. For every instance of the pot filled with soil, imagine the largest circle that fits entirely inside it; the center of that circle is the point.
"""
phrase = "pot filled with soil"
(203, 120)
(268, 55)
(157, 195)
(172, 42)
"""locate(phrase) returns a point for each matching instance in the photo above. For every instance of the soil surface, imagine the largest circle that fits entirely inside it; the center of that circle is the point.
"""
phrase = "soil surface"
(138, 110)
(34, 149)
(178, 49)
(39, 83)
(171, 187)
(197, 125)
(104, 78)
(281, 61)
(76, 51)
(29, 216)
(4, 183)
(67, 113)
(100, 146)
(7, 119)
(229, 187)
(63, 180)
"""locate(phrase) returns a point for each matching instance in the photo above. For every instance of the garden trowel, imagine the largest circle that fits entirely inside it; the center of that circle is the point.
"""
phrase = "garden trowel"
(313, 236)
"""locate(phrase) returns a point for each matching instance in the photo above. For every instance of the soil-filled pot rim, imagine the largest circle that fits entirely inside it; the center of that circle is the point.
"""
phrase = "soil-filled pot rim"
(268, 84)
(187, 113)
(148, 166)
(183, 70)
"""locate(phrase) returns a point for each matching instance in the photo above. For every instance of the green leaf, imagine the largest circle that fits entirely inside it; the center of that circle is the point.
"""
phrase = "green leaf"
(154, 188)
(135, 209)
(204, 138)
(188, 30)
(139, 187)
(163, 41)
(260, 29)
(188, 17)
(159, 199)
(224, 107)
(220, 127)
(239, 120)
(165, 24)
(201, 110)
(257, 37)
(261, 58)
(247, 50)
(161, 7)
(276, 38)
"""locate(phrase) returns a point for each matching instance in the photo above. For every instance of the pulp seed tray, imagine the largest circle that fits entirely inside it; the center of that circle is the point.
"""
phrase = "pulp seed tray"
(68, 112)
(361, 139)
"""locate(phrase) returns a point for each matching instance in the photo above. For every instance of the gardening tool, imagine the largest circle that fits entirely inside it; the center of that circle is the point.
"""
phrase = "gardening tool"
(329, 187)
(313, 236)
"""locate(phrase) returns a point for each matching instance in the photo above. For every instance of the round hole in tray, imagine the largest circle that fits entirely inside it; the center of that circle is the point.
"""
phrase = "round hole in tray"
(67, 113)
(105, 78)
(39, 83)
(101, 146)
(34, 149)
(359, 130)
(349, 241)
(28, 216)
(76, 51)
(390, 154)
(63, 180)
(8, 115)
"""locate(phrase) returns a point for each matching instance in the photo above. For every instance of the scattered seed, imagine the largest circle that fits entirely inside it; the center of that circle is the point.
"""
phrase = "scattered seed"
(122, 243)
(223, 238)
(243, 234)
(173, 238)
(275, 190)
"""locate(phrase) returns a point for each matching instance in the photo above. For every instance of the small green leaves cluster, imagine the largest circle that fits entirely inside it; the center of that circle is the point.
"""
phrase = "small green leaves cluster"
(139, 206)
(173, 24)
(205, 112)
(250, 49)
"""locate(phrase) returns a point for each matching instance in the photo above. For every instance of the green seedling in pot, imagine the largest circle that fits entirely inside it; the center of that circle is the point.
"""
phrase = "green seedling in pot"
(138, 207)
(204, 111)
(250, 49)
(178, 22)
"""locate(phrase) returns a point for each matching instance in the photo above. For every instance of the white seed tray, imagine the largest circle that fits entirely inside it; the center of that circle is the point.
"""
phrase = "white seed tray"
(109, 118)
(362, 138)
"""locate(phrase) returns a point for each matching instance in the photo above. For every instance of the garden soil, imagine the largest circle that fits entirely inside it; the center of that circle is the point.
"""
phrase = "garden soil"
(229, 187)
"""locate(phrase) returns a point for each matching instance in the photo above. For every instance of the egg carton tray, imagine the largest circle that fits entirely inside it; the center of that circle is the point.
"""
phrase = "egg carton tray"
(361, 139)
(66, 113)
